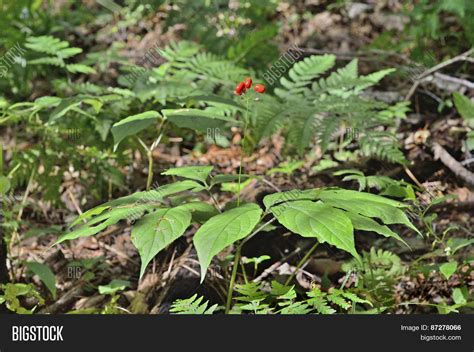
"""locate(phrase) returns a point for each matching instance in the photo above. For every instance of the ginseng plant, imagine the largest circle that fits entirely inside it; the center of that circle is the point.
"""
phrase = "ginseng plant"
(329, 215)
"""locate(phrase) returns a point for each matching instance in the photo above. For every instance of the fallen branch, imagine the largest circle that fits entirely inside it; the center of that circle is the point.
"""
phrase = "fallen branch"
(64, 301)
(462, 57)
(452, 164)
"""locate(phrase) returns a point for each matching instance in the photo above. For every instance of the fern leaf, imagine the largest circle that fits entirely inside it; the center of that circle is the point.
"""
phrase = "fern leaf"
(192, 305)
(302, 74)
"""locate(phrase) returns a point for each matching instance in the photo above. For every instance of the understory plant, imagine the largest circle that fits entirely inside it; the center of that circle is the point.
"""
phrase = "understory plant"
(161, 215)
(255, 298)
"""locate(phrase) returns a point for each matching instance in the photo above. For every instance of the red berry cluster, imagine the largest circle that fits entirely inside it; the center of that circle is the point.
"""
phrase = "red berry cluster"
(243, 86)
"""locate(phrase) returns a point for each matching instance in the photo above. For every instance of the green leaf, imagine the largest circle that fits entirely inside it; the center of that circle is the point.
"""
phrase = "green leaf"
(4, 185)
(369, 205)
(455, 244)
(45, 274)
(458, 296)
(367, 224)
(104, 220)
(144, 197)
(198, 173)
(295, 194)
(448, 269)
(192, 305)
(222, 230)
(219, 179)
(113, 287)
(132, 125)
(321, 221)
(201, 212)
(344, 194)
(196, 119)
(464, 105)
(286, 168)
(235, 187)
(78, 68)
(157, 230)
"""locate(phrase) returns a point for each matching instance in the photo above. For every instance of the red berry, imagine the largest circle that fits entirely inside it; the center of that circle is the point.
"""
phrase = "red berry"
(248, 82)
(240, 88)
(259, 88)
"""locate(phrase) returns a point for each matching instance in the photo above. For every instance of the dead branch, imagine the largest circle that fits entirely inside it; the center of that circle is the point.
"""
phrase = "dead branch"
(452, 164)
(462, 57)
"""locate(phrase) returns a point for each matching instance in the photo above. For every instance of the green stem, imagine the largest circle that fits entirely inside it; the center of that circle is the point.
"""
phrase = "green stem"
(301, 262)
(150, 170)
(232, 278)
(1, 159)
(242, 265)
(242, 149)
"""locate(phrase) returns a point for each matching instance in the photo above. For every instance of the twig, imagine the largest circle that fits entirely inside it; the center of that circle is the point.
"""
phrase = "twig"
(271, 184)
(461, 57)
(74, 202)
(455, 80)
(275, 265)
(467, 161)
(452, 164)
(301, 263)
(64, 300)
(414, 179)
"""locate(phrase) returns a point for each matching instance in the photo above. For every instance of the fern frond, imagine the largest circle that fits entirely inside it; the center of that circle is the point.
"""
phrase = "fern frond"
(46, 44)
(382, 145)
(303, 73)
(53, 61)
(338, 300)
(249, 292)
(192, 305)
(57, 50)
(345, 81)
(318, 301)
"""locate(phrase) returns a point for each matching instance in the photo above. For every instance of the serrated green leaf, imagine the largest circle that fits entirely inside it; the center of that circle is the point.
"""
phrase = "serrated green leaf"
(367, 224)
(198, 173)
(369, 205)
(157, 230)
(295, 194)
(104, 220)
(222, 230)
(320, 221)
(143, 197)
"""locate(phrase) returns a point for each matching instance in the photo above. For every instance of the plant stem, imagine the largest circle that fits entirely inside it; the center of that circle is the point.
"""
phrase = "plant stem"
(301, 262)
(258, 230)
(150, 164)
(1, 159)
(232, 278)
(242, 149)
(150, 170)
(237, 261)
(239, 247)
(214, 200)
(3, 247)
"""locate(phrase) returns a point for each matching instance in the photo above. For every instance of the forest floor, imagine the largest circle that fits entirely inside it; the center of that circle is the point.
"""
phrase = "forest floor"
(174, 273)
